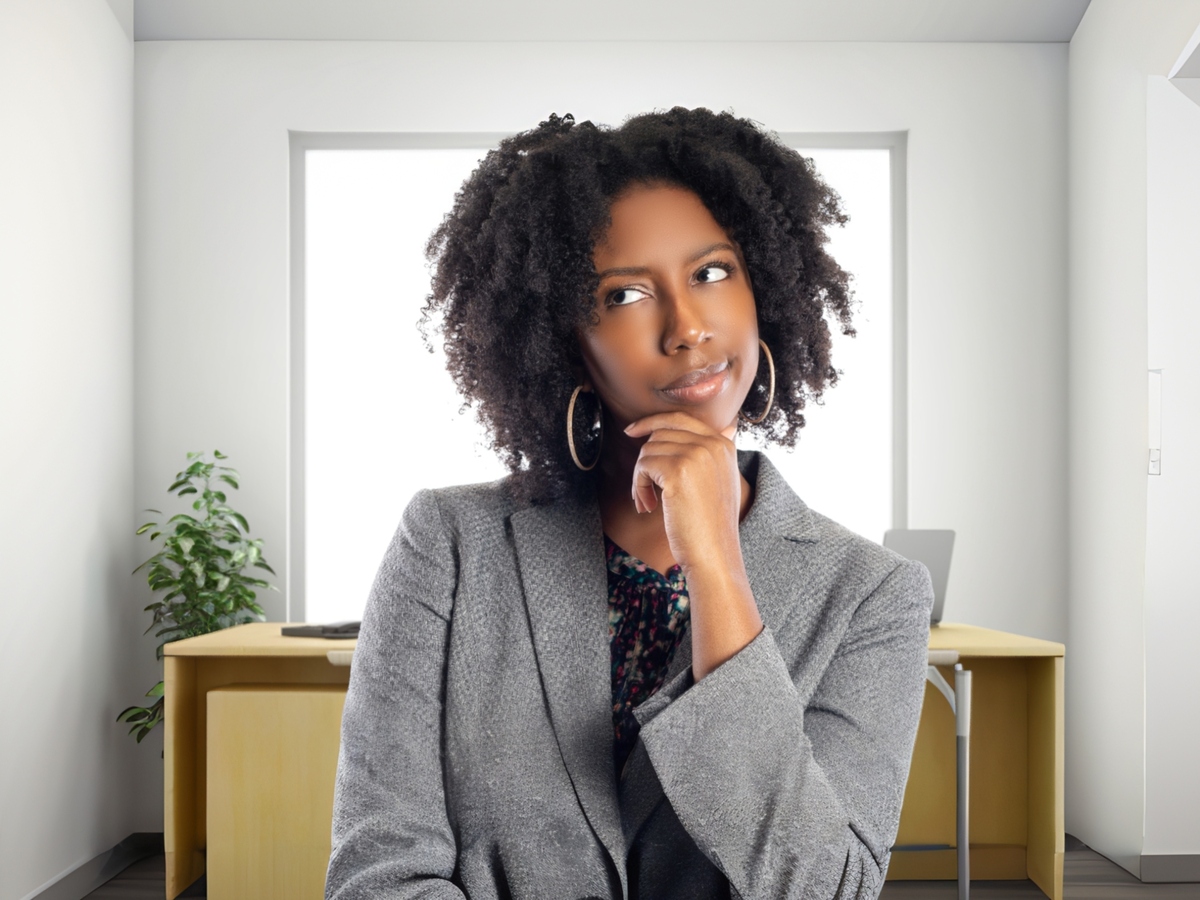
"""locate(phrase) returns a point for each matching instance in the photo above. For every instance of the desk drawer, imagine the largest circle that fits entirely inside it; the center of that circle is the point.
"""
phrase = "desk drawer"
(272, 759)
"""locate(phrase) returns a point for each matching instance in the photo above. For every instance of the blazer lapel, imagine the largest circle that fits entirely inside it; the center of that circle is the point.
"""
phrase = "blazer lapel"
(560, 549)
(774, 536)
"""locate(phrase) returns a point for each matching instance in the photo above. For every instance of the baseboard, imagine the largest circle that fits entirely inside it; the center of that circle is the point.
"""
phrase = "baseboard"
(1164, 867)
(86, 877)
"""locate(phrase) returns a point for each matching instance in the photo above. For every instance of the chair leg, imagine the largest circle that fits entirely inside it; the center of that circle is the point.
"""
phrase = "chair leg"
(962, 729)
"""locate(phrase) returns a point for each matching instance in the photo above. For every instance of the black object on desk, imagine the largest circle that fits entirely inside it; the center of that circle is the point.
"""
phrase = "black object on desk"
(333, 630)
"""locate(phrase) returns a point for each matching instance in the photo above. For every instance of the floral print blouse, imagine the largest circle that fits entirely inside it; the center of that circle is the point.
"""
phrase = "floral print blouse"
(647, 615)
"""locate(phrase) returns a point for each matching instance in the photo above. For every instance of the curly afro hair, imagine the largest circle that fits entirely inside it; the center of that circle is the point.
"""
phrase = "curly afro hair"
(513, 278)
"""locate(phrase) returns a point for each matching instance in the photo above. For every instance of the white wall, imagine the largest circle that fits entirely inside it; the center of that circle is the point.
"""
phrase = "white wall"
(1118, 43)
(71, 783)
(1172, 615)
(987, 242)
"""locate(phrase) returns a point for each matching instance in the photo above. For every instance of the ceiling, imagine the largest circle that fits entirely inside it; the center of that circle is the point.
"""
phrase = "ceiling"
(609, 20)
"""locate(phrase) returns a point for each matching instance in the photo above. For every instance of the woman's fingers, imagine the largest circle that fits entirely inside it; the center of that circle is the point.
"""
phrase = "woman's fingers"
(676, 421)
(650, 473)
(667, 458)
(681, 455)
(644, 498)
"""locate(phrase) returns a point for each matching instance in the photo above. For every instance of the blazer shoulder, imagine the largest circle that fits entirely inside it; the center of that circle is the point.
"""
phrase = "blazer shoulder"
(851, 545)
(465, 508)
(849, 555)
(442, 529)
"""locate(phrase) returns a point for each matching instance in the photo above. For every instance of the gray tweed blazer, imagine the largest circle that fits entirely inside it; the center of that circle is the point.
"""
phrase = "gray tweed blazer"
(476, 757)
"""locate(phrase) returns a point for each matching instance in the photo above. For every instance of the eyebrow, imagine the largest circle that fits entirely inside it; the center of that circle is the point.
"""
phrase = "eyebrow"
(695, 257)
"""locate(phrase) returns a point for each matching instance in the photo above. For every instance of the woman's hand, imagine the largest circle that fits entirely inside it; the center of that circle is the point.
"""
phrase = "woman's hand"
(695, 469)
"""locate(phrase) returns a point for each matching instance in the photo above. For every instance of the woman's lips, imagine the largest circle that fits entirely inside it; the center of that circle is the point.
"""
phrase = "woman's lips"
(698, 385)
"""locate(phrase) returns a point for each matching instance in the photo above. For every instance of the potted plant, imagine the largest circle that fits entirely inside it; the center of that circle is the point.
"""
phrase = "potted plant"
(201, 568)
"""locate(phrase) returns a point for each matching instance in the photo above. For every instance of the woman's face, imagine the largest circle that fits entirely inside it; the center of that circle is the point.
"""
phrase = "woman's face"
(677, 329)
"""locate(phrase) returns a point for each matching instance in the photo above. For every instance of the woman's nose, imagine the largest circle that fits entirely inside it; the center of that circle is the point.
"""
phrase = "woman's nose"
(684, 325)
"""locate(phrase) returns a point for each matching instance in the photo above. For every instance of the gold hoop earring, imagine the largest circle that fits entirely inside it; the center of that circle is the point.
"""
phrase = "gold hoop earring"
(571, 430)
(770, 392)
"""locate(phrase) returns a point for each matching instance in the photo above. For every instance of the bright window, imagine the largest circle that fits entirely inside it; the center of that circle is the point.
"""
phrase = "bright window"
(382, 419)
(842, 465)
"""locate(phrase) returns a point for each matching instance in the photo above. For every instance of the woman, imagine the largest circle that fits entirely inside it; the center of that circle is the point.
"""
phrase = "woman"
(639, 666)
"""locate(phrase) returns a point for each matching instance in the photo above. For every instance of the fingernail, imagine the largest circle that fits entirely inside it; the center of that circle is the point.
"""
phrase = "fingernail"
(629, 427)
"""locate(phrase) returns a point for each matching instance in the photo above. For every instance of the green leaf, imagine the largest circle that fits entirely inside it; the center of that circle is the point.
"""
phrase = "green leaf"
(198, 570)
(219, 455)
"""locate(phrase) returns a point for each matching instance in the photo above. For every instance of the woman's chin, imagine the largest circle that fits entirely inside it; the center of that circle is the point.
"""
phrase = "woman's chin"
(719, 413)
(716, 416)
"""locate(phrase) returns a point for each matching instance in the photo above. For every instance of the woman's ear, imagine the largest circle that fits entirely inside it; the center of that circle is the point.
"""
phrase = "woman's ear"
(579, 371)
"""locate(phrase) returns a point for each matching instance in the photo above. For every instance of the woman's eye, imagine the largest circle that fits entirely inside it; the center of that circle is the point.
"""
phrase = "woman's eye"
(625, 296)
(712, 273)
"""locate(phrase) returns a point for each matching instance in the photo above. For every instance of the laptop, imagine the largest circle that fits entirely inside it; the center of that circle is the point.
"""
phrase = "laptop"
(931, 547)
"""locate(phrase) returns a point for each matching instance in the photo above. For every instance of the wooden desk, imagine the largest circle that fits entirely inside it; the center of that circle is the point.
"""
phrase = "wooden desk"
(279, 728)
(1016, 780)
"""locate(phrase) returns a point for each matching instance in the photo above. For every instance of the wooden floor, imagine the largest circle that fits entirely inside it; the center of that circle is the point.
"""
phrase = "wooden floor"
(142, 881)
(1087, 876)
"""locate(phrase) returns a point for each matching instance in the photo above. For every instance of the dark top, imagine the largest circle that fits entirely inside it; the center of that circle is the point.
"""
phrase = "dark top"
(647, 616)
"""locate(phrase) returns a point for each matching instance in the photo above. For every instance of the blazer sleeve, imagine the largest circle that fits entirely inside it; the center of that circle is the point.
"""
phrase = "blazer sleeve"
(391, 835)
(790, 801)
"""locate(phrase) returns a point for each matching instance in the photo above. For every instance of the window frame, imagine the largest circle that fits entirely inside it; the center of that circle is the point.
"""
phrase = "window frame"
(300, 142)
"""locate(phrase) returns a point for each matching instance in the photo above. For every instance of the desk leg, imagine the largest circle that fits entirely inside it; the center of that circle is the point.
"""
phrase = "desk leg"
(185, 862)
(1044, 851)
